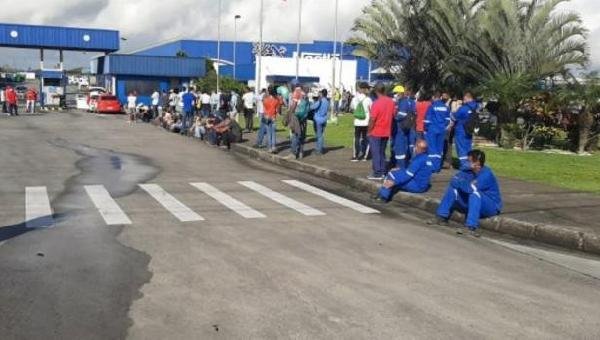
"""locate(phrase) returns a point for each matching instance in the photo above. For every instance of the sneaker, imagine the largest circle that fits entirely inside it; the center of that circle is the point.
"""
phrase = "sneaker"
(301, 155)
(438, 221)
(354, 159)
(375, 178)
(377, 199)
(474, 233)
(460, 231)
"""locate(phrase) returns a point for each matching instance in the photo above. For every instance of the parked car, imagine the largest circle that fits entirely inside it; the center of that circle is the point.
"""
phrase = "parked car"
(107, 103)
(82, 102)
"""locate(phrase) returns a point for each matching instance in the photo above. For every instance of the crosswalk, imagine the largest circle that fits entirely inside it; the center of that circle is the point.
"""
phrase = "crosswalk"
(39, 213)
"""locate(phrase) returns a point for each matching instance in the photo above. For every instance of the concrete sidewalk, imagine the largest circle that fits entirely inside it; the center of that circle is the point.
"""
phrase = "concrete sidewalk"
(535, 211)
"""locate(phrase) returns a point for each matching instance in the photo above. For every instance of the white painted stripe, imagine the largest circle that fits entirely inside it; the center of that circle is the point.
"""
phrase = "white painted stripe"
(38, 213)
(283, 200)
(410, 173)
(107, 207)
(333, 198)
(174, 206)
(228, 201)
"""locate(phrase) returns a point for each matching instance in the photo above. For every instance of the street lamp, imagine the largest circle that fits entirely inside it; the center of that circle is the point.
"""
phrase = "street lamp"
(235, 20)
(298, 40)
(260, 46)
(335, 37)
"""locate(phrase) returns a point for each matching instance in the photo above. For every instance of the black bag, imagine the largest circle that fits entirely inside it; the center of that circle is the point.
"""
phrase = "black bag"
(409, 122)
(473, 123)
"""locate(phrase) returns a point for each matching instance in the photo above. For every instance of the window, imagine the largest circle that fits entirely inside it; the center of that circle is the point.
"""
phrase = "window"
(141, 87)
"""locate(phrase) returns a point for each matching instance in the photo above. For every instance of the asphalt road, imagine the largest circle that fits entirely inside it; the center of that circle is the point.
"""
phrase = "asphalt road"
(243, 254)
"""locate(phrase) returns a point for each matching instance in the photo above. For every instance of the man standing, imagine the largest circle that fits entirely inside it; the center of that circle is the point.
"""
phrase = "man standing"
(361, 105)
(249, 99)
(205, 107)
(380, 127)
(474, 191)
(30, 97)
(234, 106)
(462, 137)
(3, 100)
(321, 109)
(260, 110)
(215, 101)
(404, 130)
(415, 179)
(189, 101)
(437, 122)
(155, 103)
(11, 101)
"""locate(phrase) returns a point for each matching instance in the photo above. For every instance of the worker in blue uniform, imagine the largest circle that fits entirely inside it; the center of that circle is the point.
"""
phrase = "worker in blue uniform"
(415, 179)
(404, 134)
(474, 192)
(463, 138)
(437, 123)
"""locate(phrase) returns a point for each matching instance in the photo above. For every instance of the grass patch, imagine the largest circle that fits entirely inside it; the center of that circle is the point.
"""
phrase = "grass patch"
(574, 172)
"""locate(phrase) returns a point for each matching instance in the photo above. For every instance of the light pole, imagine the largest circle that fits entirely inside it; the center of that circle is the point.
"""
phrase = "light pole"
(219, 49)
(298, 40)
(235, 20)
(335, 33)
(260, 47)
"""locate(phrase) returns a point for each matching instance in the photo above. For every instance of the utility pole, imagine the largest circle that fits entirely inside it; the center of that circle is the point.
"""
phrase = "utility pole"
(333, 83)
(298, 40)
(235, 20)
(260, 48)
(219, 49)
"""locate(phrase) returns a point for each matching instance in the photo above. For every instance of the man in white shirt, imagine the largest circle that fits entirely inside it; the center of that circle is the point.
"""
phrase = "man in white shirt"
(361, 107)
(215, 101)
(205, 104)
(132, 107)
(249, 99)
(3, 101)
(155, 103)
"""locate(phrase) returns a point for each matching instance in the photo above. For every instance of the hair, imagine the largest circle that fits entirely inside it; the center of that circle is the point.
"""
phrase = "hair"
(469, 94)
(477, 156)
(272, 91)
(363, 85)
(324, 93)
(380, 88)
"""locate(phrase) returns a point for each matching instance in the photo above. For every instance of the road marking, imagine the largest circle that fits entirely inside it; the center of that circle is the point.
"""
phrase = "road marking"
(108, 208)
(331, 197)
(281, 199)
(228, 201)
(38, 213)
(174, 206)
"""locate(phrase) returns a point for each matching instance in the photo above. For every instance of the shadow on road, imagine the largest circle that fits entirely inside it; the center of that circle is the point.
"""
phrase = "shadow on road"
(12, 231)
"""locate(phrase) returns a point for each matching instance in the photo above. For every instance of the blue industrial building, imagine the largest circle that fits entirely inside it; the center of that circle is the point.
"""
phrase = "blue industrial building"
(245, 54)
(123, 74)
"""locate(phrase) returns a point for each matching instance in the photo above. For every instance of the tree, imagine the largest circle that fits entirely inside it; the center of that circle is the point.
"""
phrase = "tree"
(208, 83)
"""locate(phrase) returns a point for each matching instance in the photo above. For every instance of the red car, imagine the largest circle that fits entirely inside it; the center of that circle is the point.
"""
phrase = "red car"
(108, 104)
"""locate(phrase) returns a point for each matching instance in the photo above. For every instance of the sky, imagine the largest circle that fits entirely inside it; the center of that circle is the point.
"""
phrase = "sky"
(149, 22)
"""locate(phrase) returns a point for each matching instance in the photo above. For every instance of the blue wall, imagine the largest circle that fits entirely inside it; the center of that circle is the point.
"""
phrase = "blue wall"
(245, 56)
(171, 67)
(65, 38)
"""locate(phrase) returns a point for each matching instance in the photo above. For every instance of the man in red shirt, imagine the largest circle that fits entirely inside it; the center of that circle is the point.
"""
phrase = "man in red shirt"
(272, 106)
(380, 127)
(31, 97)
(423, 105)
(11, 101)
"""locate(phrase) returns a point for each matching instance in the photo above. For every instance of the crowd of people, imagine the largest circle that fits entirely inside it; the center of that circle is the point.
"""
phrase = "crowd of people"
(405, 136)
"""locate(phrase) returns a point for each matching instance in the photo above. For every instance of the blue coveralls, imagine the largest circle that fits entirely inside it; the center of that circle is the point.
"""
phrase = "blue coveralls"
(476, 195)
(463, 140)
(403, 140)
(415, 179)
(437, 120)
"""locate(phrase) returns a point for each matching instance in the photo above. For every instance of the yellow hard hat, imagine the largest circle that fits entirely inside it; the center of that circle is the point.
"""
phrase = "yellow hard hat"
(399, 89)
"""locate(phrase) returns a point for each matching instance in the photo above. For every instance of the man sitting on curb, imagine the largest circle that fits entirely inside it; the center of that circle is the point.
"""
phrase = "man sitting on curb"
(474, 192)
(416, 179)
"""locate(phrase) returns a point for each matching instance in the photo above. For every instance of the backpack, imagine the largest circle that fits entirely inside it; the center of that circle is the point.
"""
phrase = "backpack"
(302, 110)
(473, 123)
(360, 113)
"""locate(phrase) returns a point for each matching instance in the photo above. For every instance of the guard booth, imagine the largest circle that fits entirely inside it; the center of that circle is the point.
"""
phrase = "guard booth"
(43, 38)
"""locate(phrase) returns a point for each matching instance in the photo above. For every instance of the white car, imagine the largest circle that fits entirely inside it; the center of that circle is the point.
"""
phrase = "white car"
(82, 102)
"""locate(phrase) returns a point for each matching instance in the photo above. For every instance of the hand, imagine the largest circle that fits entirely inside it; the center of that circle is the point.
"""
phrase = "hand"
(388, 184)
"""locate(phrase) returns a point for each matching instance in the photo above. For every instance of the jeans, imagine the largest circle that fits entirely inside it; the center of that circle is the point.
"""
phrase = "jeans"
(249, 116)
(262, 132)
(361, 141)
(13, 109)
(378, 146)
(320, 131)
(271, 127)
(298, 140)
(186, 122)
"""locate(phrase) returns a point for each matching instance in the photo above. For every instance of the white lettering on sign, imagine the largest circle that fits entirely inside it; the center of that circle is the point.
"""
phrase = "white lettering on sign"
(311, 55)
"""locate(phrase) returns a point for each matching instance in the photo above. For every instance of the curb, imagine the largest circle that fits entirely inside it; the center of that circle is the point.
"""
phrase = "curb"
(546, 233)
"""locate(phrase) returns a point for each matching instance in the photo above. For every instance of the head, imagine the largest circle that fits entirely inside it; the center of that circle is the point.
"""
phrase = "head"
(476, 160)
(421, 147)
(272, 91)
(437, 95)
(363, 88)
(380, 90)
(445, 96)
(468, 97)
(323, 93)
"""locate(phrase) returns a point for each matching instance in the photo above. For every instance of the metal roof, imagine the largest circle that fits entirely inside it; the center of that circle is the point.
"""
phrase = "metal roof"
(120, 64)
(58, 38)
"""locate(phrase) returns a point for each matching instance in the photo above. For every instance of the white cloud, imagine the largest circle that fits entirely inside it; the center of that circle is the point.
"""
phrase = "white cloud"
(147, 22)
